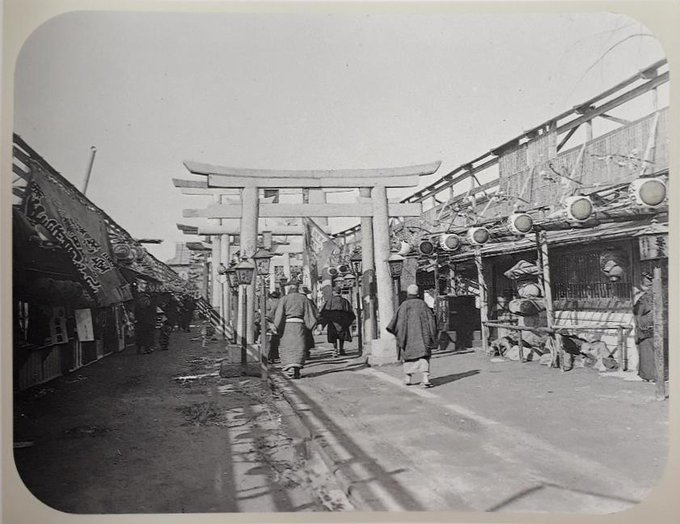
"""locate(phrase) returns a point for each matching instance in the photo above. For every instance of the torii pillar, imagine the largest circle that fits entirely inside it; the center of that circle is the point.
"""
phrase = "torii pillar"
(250, 203)
(383, 349)
(368, 273)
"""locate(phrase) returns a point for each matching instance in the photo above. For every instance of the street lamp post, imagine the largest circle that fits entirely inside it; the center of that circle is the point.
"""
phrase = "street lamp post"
(222, 276)
(244, 276)
(262, 261)
(396, 263)
(233, 285)
(355, 261)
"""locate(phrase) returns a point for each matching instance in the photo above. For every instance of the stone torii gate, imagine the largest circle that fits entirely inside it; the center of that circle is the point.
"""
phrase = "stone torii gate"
(372, 203)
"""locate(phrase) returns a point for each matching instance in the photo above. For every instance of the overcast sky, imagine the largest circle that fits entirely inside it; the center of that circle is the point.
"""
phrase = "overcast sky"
(297, 92)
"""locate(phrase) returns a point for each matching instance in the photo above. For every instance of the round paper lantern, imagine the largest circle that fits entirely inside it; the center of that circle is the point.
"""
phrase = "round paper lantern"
(648, 192)
(478, 236)
(579, 208)
(426, 247)
(520, 223)
(449, 242)
(404, 248)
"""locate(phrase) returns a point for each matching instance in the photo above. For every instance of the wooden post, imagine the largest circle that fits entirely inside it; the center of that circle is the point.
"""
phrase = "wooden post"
(436, 288)
(483, 299)
(249, 218)
(547, 296)
(225, 247)
(620, 348)
(589, 130)
(264, 371)
(368, 269)
(659, 364)
(216, 295)
(360, 327)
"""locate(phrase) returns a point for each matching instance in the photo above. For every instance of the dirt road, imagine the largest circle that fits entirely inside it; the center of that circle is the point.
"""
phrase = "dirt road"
(129, 435)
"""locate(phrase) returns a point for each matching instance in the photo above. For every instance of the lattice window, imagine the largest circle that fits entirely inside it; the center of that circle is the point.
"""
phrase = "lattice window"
(579, 275)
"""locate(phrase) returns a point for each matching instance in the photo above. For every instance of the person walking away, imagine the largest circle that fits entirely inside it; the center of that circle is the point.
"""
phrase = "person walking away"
(337, 314)
(145, 315)
(643, 312)
(272, 303)
(164, 334)
(415, 328)
(294, 320)
(186, 313)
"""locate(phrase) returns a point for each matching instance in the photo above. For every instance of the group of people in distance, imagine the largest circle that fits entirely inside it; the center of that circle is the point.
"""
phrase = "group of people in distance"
(293, 317)
(176, 312)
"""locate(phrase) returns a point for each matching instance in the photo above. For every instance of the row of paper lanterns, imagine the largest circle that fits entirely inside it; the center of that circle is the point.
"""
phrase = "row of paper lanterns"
(644, 192)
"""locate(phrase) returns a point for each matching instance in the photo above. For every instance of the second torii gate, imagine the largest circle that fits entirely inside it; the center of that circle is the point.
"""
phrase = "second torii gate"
(377, 207)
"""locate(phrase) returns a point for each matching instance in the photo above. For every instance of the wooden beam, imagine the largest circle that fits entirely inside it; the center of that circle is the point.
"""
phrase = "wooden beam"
(217, 181)
(178, 182)
(621, 121)
(235, 229)
(566, 138)
(19, 191)
(622, 99)
(20, 172)
(199, 168)
(279, 249)
(303, 210)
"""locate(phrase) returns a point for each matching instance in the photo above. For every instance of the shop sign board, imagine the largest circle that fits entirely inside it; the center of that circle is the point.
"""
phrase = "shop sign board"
(653, 246)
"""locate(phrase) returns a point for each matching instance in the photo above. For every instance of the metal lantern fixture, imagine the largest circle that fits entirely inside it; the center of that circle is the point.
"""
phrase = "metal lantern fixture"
(478, 236)
(231, 274)
(355, 260)
(449, 241)
(579, 208)
(396, 263)
(520, 223)
(244, 272)
(262, 261)
(648, 192)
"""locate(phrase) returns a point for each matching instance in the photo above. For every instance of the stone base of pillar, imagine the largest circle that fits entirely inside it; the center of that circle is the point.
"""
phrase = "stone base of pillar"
(383, 351)
(234, 354)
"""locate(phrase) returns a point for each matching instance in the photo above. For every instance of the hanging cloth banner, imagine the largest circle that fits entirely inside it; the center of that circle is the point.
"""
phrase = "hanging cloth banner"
(81, 233)
(317, 252)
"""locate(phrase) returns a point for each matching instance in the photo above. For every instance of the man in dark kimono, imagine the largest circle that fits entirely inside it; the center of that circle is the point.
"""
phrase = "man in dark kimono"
(294, 320)
(337, 314)
(415, 328)
(643, 310)
(145, 315)
(272, 304)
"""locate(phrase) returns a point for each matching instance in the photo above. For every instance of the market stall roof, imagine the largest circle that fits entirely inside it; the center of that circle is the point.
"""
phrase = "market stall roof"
(607, 231)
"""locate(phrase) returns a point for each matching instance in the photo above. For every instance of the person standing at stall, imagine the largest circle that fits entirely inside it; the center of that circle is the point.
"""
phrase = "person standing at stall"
(643, 311)
(337, 314)
(294, 320)
(415, 328)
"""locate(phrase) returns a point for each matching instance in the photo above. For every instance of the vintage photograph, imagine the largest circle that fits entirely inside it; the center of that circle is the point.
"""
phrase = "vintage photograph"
(309, 260)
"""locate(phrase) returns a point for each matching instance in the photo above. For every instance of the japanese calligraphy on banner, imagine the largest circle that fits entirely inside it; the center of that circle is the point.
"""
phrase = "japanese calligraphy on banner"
(81, 233)
(318, 251)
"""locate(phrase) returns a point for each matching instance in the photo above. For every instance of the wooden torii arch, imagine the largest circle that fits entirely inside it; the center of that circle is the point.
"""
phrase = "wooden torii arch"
(372, 207)
(221, 234)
